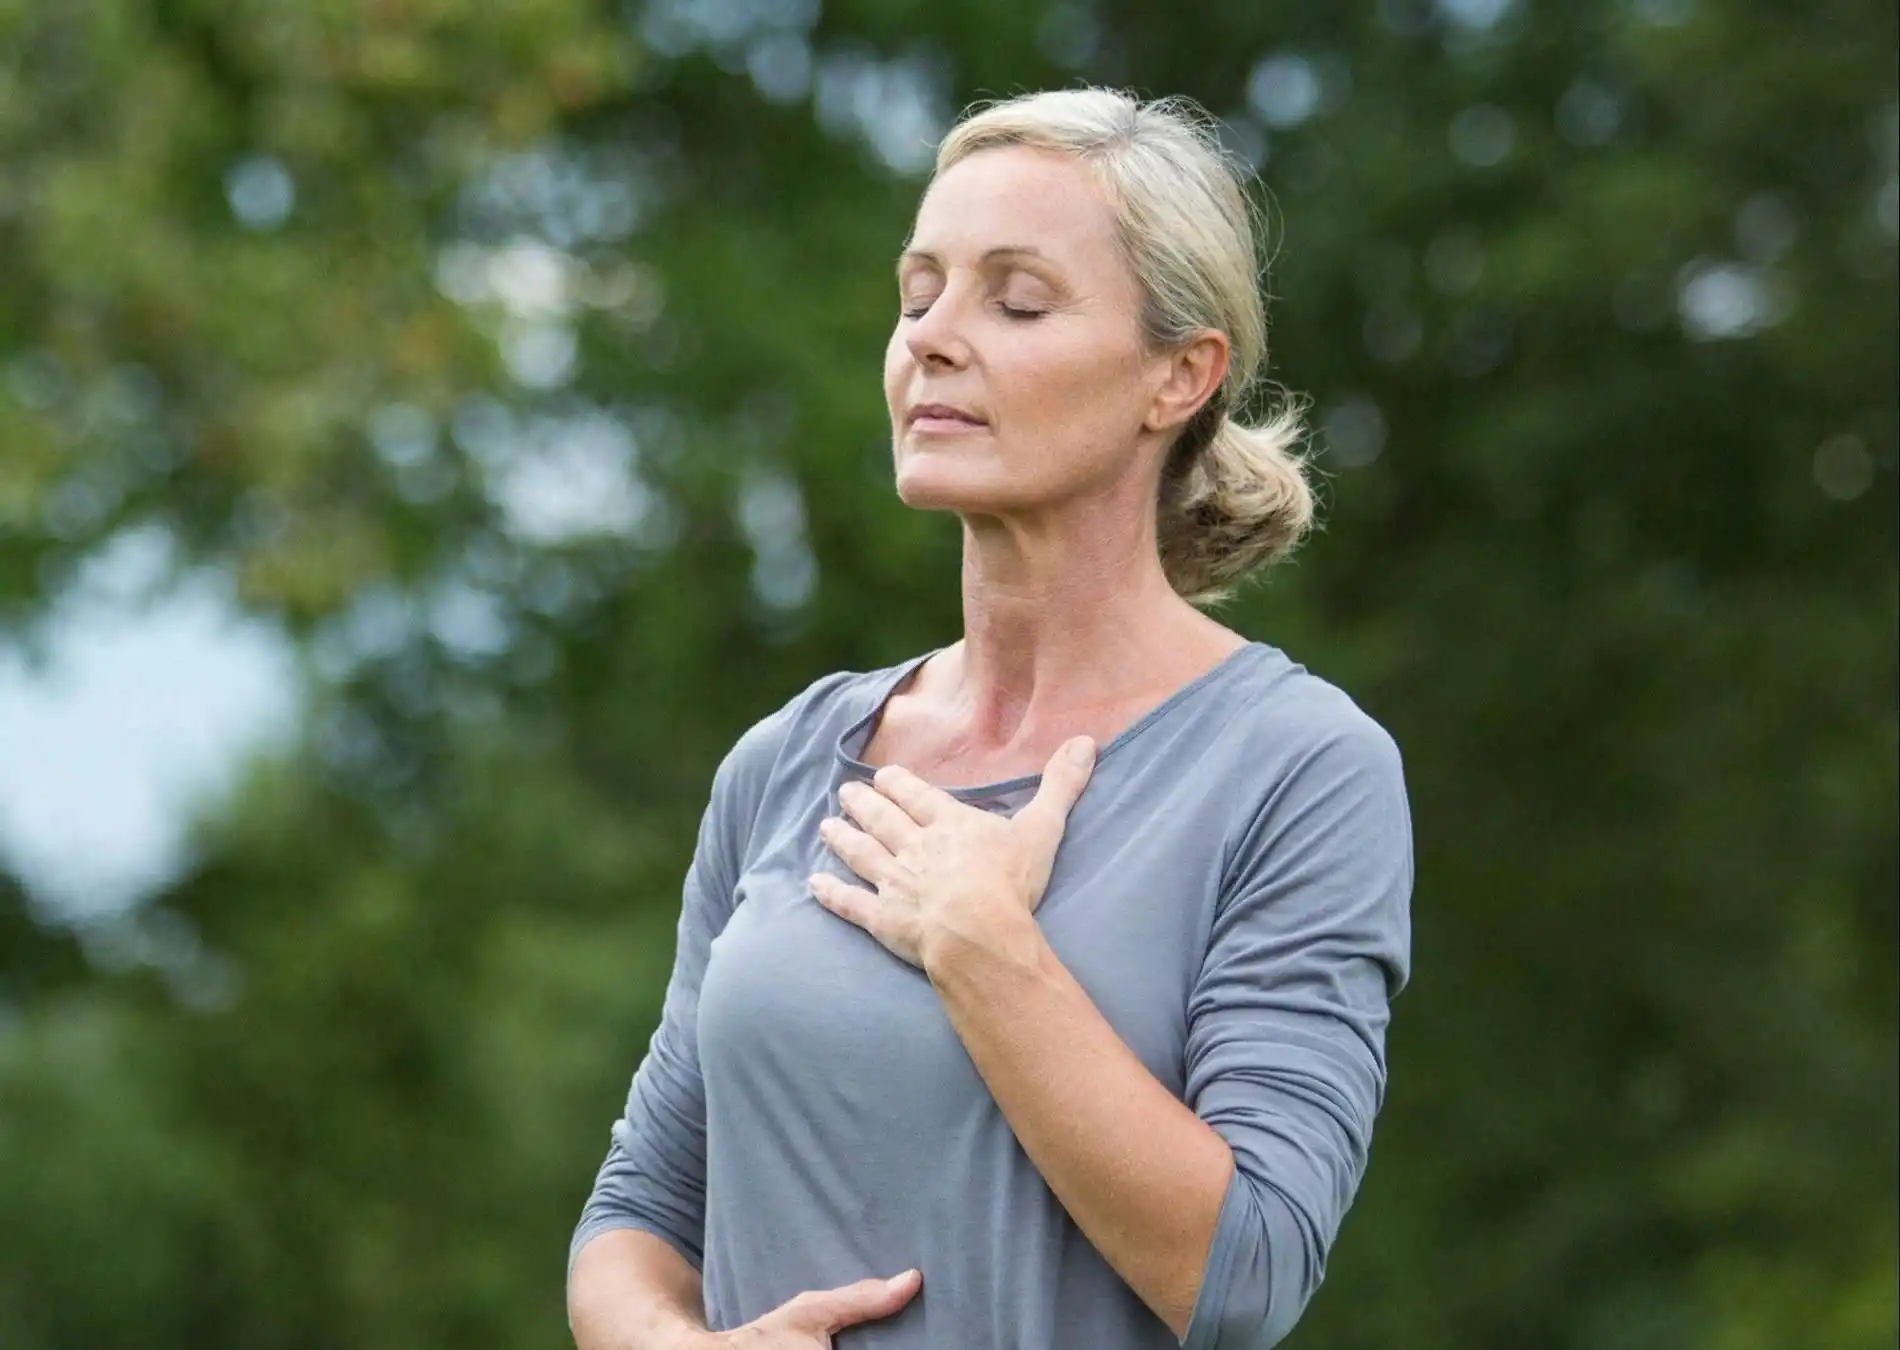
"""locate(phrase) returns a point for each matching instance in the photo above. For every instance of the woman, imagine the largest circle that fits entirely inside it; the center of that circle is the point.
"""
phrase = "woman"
(1083, 1069)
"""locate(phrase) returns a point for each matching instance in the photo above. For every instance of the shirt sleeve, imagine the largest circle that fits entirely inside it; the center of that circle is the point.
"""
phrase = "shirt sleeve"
(1285, 1053)
(654, 1175)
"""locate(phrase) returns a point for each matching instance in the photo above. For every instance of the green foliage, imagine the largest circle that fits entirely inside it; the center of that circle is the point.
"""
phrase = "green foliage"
(1598, 310)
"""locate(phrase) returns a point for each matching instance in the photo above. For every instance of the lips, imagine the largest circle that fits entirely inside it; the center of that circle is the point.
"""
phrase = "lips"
(940, 413)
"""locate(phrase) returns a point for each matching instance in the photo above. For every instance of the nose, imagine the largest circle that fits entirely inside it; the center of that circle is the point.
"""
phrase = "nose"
(936, 339)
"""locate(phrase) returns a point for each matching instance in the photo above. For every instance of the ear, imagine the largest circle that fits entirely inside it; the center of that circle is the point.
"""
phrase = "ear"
(1188, 377)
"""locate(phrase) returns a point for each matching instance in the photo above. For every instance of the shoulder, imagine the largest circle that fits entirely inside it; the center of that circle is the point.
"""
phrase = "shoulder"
(1320, 839)
(788, 740)
(1287, 713)
(809, 723)
(1294, 737)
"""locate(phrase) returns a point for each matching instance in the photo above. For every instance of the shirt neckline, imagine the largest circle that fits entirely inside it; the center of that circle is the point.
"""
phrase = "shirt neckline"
(895, 680)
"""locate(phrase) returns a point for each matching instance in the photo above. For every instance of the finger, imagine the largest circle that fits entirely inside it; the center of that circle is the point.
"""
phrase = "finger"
(851, 903)
(1066, 774)
(923, 802)
(829, 1310)
(859, 851)
(880, 817)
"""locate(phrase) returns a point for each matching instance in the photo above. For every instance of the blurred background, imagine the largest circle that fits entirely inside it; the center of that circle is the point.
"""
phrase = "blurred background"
(432, 430)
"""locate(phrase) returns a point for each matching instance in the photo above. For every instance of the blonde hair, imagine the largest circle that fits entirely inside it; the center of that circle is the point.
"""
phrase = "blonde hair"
(1233, 497)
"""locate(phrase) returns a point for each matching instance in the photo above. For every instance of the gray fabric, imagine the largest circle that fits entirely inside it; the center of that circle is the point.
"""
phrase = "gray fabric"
(1233, 892)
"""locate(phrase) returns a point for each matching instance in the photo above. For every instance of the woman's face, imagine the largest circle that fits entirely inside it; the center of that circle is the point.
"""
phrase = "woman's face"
(1017, 376)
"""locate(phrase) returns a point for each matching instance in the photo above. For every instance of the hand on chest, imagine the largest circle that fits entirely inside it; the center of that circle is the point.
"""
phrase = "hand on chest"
(1125, 910)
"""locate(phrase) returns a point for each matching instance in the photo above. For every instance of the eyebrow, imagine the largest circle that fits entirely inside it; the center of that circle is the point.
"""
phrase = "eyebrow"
(1003, 253)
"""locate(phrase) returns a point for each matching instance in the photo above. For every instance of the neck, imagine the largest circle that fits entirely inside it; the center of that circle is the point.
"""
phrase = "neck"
(1058, 620)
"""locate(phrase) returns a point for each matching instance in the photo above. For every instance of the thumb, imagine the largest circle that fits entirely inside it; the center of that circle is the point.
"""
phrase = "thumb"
(1063, 779)
(865, 1301)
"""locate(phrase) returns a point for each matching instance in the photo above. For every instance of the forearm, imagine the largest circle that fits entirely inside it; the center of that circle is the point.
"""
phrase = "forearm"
(631, 1291)
(1141, 1175)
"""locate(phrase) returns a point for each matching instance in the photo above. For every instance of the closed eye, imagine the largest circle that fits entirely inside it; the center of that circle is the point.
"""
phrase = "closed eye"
(1015, 312)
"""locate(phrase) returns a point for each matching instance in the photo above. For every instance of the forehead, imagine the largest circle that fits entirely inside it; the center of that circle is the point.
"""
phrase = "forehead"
(1019, 198)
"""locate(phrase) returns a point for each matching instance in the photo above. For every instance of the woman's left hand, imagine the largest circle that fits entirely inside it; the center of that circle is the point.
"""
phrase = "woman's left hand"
(946, 872)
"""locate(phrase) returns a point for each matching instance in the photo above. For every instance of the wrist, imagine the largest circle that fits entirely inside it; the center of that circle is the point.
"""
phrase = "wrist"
(1010, 938)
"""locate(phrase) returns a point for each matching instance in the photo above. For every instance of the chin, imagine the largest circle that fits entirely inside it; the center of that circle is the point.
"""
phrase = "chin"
(928, 480)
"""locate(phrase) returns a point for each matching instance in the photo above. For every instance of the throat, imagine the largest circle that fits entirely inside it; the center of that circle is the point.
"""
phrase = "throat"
(926, 727)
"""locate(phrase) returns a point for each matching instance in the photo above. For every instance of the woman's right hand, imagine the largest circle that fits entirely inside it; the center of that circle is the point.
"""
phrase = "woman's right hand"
(809, 1321)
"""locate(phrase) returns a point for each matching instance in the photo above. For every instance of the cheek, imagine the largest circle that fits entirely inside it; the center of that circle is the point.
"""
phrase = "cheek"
(1077, 384)
(897, 364)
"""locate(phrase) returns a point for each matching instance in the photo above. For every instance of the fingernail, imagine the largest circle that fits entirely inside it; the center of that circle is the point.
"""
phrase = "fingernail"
(1082, 751)
(897, 1282)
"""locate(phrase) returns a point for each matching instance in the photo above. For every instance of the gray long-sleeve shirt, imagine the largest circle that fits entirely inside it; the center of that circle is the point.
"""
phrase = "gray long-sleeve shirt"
(1233, 893)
